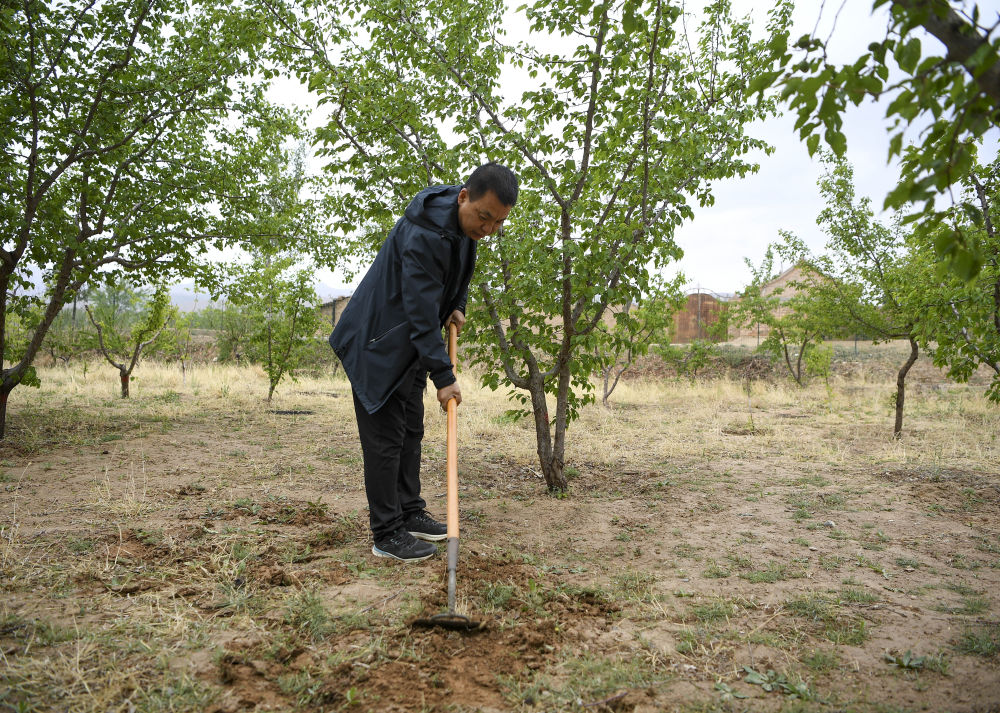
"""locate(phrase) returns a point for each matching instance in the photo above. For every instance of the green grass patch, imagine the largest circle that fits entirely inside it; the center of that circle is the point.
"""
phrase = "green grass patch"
(982, 640)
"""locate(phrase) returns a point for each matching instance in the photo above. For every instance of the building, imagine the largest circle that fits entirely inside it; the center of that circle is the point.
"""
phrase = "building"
(787, 282)
(331, 311)
(697, 318)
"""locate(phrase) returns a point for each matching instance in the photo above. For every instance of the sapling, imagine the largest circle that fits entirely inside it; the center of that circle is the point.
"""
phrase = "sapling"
(122, 340)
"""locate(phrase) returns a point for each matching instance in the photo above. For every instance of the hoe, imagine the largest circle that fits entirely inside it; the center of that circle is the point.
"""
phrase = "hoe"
(451, 620)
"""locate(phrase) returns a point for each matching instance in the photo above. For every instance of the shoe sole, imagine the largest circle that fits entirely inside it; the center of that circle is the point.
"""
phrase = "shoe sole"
(427, 537)
(382, 553)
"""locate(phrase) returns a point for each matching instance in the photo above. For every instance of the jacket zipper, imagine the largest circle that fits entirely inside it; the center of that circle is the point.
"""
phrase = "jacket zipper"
(380, 336)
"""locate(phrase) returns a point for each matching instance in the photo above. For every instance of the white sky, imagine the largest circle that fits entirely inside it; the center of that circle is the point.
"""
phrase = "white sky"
(749, 212)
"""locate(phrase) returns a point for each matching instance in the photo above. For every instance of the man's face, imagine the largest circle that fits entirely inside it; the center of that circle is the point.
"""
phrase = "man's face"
(481, 217)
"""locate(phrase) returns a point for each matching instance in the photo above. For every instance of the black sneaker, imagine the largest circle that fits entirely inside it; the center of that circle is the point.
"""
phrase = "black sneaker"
(401, 545)
(424, 527)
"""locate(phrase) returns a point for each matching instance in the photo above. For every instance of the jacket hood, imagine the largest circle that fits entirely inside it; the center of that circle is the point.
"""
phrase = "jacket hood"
(434, 208)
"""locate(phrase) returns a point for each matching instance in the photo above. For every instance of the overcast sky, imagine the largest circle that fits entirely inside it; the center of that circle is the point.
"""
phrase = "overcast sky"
(748, 213)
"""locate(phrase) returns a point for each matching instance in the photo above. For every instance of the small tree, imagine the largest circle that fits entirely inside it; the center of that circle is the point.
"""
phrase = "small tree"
(66, 337)
(637, 326)
(282, 307)
(871, 282)
(129, 322)
(180, 341)
(235, 329)
(794, 319)
(629, 120)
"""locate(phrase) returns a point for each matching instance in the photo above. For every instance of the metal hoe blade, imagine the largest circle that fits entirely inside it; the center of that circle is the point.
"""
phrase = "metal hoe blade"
(451, 620)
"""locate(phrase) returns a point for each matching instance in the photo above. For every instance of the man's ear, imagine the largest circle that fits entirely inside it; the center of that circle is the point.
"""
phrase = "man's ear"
(463, 196)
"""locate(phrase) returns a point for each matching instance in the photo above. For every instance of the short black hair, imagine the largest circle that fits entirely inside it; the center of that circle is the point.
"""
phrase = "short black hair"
(493, 177)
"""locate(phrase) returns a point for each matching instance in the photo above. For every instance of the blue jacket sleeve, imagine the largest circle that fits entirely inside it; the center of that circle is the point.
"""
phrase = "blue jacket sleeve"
(424, 259)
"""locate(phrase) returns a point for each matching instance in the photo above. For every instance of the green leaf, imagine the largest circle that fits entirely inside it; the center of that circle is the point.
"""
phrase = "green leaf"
(908, 55)
(30, 378)
(762, 82)
(629, 23)
(837, 141)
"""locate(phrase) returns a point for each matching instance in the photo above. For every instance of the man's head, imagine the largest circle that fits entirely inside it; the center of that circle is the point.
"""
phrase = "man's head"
(486, 199)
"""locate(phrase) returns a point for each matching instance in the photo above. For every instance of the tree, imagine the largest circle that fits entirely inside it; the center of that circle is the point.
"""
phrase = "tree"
(181, 341)
(129, 322)
(282, 307)
(65, 338)
(952, 98)
(794, 319)
(133, 133)
(871, 282)
(628, 119)
(236, 326)
(636, 327)
(961, 323)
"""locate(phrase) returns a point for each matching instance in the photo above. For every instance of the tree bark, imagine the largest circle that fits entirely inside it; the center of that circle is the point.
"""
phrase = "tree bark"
(552, 468)
(4, 393)
(125, 377)
(961, 39)
(897, 430)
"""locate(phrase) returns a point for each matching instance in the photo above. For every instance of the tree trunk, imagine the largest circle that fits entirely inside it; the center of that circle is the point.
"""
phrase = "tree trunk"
(552, 468)
(791, 369)
(125, 379)
(555, 477)
(3, 412)
(897, 430)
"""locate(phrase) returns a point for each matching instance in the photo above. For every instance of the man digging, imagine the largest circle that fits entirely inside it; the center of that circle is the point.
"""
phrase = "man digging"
(389, 339)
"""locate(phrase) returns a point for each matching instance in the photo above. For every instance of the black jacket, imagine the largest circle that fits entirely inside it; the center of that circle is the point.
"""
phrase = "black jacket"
(395, 317)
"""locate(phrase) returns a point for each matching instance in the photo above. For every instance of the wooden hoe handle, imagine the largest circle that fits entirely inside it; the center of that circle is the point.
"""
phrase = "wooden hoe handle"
(452, 442)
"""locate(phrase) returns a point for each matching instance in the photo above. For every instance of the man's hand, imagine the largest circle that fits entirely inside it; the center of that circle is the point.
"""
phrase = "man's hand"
(446, 393)
(458, 319)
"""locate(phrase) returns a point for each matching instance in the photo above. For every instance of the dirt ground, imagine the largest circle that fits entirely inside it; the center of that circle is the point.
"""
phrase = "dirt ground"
(196, 549)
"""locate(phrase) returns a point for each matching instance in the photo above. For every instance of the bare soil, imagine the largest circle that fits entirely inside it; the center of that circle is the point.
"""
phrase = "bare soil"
(196, 549)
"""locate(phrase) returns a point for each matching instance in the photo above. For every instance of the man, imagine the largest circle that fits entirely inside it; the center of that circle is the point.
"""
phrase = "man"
(389, 339)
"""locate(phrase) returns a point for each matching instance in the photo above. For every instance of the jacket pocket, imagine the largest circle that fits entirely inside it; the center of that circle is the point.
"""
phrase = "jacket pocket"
(375, 340)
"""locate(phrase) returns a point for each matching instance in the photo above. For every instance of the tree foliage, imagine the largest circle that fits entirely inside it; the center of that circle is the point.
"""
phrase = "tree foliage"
(279, 307)
(133, 134)
(874, 282)
(635, 328)
(626, 120)
(129, 322)
(952, 98)
(961, 323)
(794, 320)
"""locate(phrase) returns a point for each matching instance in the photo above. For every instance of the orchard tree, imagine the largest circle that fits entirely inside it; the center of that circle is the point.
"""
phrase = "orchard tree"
(634, 329)
(795, 320)
(280, 302)
(873, 284)
(961, 324)
(234, 328)
(953, 97)
(626, 119)
(129, 322)
(180, 344)
(66, 337)
(134, 132)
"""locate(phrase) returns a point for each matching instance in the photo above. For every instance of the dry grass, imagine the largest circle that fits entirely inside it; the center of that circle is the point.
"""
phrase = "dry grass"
(193, 548)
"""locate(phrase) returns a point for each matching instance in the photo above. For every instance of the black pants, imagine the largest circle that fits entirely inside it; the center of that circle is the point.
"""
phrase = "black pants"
(390, 444)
